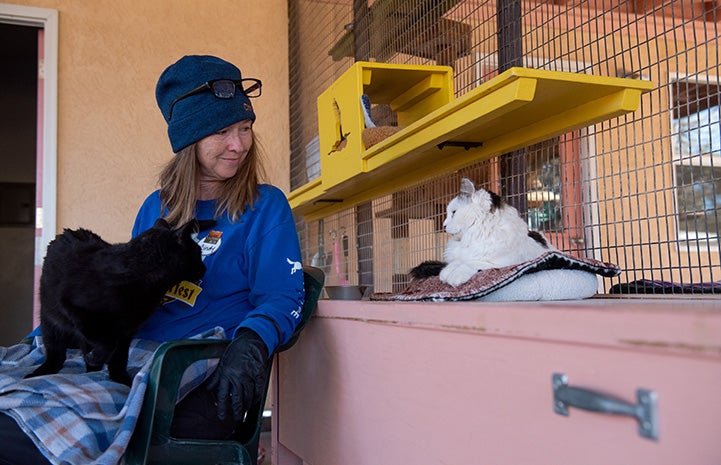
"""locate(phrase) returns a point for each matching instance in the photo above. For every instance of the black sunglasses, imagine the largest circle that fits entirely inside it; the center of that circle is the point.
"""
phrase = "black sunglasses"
(223, 88)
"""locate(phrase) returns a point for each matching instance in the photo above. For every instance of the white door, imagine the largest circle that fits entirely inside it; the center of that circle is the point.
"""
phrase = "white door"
(46, 23)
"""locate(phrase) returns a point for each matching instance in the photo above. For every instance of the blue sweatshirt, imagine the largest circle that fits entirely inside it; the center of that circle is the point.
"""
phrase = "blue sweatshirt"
(253, 280)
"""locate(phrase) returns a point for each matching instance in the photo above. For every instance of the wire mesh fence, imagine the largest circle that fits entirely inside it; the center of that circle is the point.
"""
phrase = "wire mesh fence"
(641, 190)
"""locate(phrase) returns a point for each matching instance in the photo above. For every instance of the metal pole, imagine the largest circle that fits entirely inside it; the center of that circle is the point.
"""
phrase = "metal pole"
(364, 211)
(510, 54)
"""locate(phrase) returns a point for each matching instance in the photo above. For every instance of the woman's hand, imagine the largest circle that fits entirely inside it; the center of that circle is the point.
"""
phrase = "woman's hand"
(239, 380)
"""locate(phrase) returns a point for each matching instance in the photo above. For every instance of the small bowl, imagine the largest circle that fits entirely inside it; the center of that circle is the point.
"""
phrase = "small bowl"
(345, 292)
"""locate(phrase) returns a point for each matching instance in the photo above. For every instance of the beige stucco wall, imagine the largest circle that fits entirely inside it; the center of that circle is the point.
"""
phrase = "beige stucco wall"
(111, 136)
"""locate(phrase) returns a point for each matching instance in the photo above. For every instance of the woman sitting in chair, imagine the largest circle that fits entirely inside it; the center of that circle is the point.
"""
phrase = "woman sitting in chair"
(253, 286)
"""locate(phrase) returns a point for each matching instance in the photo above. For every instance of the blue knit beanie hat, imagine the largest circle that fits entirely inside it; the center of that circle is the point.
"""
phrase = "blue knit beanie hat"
(202, 114)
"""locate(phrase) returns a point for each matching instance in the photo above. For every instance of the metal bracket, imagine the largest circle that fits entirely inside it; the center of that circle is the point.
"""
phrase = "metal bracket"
(645, 411)
(466, 145)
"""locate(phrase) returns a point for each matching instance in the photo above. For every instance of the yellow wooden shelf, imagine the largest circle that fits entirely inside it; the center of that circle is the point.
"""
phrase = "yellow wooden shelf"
(515, 109)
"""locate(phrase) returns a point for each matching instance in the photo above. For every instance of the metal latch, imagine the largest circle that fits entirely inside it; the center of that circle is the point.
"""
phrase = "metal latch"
(645, 411)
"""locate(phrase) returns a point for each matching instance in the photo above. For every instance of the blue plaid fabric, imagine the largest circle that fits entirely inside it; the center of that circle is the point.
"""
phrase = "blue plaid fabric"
(76, 417)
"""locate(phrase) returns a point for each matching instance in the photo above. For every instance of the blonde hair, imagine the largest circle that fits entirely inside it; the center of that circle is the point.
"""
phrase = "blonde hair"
(179, 182)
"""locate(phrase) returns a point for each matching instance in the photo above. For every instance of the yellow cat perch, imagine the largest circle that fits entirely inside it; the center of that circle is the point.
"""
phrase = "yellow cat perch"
(438, 132)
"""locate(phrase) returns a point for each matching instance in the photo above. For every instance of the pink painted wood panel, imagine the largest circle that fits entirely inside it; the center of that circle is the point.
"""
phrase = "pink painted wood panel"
(430, 383)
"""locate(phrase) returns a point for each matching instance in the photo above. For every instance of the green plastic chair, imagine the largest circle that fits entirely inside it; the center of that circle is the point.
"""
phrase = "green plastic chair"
(152, 444)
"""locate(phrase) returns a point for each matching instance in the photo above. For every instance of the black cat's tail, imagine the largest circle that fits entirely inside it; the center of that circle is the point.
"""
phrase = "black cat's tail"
(427, 269)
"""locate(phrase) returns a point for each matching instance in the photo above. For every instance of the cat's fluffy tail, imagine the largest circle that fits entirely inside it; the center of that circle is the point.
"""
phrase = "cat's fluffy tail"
(427, 269)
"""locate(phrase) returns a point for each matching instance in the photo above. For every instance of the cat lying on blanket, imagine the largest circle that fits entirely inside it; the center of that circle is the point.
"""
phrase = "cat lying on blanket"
(95, 295)
(485, 232)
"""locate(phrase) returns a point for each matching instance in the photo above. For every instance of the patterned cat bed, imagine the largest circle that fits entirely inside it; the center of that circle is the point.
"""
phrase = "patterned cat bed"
(552, 276)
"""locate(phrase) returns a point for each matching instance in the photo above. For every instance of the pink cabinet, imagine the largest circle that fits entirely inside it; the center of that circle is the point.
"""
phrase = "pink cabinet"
(465, 382)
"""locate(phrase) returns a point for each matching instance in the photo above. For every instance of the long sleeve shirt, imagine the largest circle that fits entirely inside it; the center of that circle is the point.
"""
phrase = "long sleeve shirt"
(254, 277)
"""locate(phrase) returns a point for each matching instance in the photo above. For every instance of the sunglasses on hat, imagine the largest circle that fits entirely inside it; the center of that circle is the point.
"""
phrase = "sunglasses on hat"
(223, 88)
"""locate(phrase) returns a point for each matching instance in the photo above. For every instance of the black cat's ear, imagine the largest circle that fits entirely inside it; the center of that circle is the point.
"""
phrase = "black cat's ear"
(467, 187)
(161, 224)
(202, 225)
(188, 229)
(195, 226)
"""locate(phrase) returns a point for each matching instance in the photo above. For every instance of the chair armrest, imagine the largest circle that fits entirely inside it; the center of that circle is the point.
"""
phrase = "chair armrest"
(169, 363)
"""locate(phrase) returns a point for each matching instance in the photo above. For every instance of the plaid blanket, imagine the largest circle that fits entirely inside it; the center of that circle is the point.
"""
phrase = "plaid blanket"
(76, 417)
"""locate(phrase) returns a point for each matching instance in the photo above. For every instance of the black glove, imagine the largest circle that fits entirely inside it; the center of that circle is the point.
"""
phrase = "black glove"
(239, 379)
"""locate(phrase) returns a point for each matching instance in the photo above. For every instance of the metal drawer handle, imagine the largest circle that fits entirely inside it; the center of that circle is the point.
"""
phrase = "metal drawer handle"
(645, 411)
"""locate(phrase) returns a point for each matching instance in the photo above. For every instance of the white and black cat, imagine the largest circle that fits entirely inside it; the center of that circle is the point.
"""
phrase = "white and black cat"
(486, 233)
(95, 295)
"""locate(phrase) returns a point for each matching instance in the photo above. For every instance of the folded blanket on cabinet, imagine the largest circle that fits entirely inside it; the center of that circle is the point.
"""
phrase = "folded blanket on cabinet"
(552, 276)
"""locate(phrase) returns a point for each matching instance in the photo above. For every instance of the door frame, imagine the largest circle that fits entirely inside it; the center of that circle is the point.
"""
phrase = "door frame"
(46, 170)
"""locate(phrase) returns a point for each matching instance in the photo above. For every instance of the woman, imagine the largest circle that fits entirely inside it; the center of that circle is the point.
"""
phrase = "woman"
(253, 285)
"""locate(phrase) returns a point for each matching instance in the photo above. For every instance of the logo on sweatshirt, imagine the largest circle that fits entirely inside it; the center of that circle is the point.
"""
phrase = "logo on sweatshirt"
(210, 243)
(295, 266)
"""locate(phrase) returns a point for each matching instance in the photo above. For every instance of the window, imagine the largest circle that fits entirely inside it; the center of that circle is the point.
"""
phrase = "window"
(698, 201)
(697, 161)
(543, 184)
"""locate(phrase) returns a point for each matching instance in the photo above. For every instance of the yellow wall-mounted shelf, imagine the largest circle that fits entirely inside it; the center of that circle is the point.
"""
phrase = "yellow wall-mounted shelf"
(515, 109)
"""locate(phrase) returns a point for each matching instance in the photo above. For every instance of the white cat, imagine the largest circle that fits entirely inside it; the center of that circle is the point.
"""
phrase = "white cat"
(485, 232)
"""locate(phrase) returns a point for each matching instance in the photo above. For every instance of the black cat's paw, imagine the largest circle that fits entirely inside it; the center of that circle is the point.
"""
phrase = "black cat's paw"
(122, 378)
(44, 369)
(33, 374)
(427, 269)
(95, 359)
(119, 373)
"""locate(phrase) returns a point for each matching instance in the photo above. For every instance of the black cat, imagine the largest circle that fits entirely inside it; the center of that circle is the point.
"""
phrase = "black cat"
(95, 295)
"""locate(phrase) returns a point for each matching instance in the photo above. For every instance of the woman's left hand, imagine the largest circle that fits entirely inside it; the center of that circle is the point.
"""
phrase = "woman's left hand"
(239, 380)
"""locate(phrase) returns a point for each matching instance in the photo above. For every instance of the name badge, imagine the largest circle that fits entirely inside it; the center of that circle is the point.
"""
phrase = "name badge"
(185, 292)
